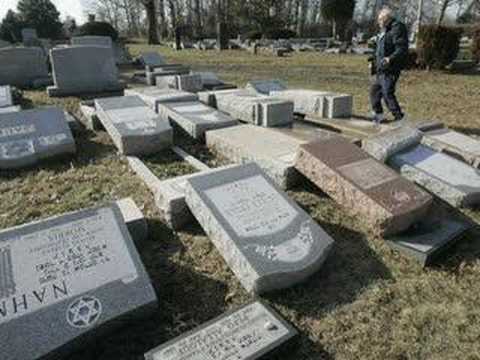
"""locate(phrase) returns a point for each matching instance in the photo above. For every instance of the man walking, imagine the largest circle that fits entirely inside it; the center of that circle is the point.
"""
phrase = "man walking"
(390, 58)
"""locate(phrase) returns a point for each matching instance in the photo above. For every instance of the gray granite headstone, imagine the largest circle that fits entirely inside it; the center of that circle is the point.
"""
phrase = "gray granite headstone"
(210, 79)
(318, 103)
(391, 142)
(92, 41)
(255, 109)
(29, 136)
(66, 280)
(273, 150)
(152, 59)
(83, 70)
(5, 96)
(265, 87)
(195, 117)
(210, 97)
(448, 178)
(22, 67)
(154, 77)
(155, 96)
(453, 142)
(268, 241)
(249, 333)
(30, 37)
(134, 127)
(186, 82)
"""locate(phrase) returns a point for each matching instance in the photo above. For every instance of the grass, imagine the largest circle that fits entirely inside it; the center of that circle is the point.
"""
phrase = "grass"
(367, 302)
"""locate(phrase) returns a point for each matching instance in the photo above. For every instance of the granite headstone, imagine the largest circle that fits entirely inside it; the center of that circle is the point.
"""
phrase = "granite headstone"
(22, 67)
(134, 127)
(5, 96)
(195, 118)
(32, 135)
(155, 96)
(92, 41)
(83, 70)
(265, 87)
(267, 240)
(68, 278)
(249, 333)
(362, 185)
(186, 82)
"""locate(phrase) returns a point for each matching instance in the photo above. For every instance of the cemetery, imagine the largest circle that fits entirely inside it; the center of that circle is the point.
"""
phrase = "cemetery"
(169, 196)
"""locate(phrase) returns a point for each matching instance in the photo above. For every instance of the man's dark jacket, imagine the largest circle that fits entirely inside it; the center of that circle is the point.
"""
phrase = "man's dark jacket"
(394, 45)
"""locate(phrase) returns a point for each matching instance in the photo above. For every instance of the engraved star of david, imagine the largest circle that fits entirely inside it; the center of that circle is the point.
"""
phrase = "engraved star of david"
(84, 312)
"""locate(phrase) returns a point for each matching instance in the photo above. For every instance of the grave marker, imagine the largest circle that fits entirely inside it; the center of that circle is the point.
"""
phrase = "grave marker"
(155, 96)
(83, 70)
(362, 185)
(5, 96)
(152, 59)
(134, 127)
(27, 137)
(248, 333)
(186, 82)
(195, 118)
(268, 241)
(265, 87)
(153, 77)
(22, 67)
(68, 278)
(92, 41)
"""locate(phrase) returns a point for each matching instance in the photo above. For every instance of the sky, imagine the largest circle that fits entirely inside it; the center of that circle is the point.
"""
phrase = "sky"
(65, 7)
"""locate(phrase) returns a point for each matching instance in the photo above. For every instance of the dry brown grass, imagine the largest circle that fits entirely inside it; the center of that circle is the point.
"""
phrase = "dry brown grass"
(367, 302)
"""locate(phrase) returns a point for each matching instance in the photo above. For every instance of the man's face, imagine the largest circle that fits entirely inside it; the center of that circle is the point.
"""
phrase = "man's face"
(383, 18)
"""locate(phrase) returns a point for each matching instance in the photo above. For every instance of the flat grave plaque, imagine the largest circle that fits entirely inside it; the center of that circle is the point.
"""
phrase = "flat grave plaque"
(134, 127)
(363, 185)
(249, 333)
(268, 241)
(68, 278)
(195, 118)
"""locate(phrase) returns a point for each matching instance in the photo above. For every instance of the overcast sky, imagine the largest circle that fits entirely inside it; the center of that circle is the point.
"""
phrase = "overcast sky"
(66, 7)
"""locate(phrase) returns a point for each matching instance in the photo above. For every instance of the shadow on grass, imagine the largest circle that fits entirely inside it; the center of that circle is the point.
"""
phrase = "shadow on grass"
(180, 307)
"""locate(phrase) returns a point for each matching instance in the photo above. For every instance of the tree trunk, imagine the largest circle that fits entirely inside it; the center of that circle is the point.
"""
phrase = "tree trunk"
(442, 11)
(163, 23)
(419, 20)
(152, 22)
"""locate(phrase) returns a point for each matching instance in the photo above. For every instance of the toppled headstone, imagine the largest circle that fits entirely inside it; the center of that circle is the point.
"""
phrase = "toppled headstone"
(23, 67)
(428, 240)
(152, 59)
(134, 219)
(83, 70)
(195, 117)
(210, 97)
(362, 185)
(248, 333)
(448, 178)
(92, 41)
(187, 82)
(274, 151)
(255, 109)
(155, 96)
(134, 127)
(268, 241)
(69, 278)
(152, 77)
(265, 87)
(391, 142)
(27, 137)
(453, 142)
(318, 103)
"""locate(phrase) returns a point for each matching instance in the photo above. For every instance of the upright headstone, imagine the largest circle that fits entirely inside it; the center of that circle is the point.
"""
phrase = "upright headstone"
(22, 67)
(255, 109)
(268, 241)
(318, 103)
(134, 127)
(92, 41)
(222, 36)
(5, 96)
(30, 37)
(83, 70)
(69, 278)
(363, 186)
(448, 178)
(29, 136)
(453, 142)
(265, 87)
(152, 59)
(249, 333)
(155, 96)
(274, 151)
(195, 118)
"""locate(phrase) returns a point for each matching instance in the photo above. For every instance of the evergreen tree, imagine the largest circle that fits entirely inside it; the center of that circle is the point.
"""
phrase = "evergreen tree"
(41, 15)
(11, 28)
